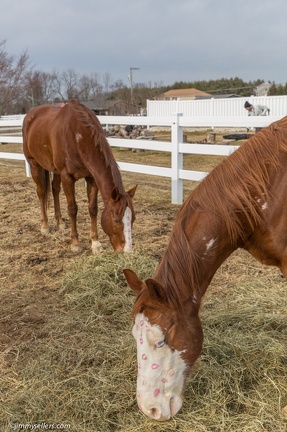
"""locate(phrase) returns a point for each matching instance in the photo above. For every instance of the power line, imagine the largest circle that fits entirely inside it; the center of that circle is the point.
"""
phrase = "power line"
(232, 88)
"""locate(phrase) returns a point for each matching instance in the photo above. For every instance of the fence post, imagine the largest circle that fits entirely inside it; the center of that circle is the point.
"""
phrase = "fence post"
(28, 168)
(176, 160)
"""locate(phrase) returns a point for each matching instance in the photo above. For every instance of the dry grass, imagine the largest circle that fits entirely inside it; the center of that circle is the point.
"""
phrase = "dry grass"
(81, 368)
(67, 354)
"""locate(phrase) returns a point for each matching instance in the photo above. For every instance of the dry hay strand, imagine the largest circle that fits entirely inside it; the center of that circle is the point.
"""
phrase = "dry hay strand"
(83, 371)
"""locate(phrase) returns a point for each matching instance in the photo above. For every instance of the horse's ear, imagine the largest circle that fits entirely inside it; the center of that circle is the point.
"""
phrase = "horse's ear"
(116, 196)
(156, 291)
(132, 191)
(133, 280)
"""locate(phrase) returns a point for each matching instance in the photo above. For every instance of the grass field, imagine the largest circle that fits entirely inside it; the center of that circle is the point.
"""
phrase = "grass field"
(67, 354)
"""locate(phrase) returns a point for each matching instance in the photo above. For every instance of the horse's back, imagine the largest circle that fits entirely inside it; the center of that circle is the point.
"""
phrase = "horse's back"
(37, 115)
(63, 139)
(44, 135)
(37, 123)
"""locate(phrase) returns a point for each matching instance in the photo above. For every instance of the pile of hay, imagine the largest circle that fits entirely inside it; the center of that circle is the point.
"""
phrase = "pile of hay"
(83, 371)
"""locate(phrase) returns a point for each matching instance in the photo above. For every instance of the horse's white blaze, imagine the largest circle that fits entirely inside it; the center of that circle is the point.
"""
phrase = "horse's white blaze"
(127, 221)
(160, 372)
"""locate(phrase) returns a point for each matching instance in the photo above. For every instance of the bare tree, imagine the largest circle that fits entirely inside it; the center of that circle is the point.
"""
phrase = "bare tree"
(40, 88)
(70, 80)
(142, 92)
(96, 86)
(49, 86)
(59, 88)
(117, 85)
(34, 88)
(107, 82)
(12, 79)
(84, 88)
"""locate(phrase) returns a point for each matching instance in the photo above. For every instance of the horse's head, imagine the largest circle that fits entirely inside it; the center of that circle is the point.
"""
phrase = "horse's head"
(169, 340)
(117, 219)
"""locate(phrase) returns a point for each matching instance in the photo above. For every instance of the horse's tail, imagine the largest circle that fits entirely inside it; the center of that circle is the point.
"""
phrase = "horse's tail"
(47, 189)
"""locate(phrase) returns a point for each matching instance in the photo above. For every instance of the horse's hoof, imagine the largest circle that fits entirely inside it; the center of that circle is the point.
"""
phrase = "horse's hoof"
(76, 248)
(45, 231)
(96, 247)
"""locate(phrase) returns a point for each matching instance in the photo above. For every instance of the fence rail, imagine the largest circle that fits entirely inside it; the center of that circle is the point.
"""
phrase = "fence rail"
(176, 146)
(209, 108)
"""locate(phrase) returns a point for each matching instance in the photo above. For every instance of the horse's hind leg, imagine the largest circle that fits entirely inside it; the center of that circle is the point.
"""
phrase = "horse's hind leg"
(92, 192)
(56, 187)
(42, 179)
(69, 189)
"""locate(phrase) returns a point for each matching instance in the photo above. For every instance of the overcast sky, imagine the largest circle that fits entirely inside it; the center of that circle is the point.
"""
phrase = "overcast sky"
(169, 40)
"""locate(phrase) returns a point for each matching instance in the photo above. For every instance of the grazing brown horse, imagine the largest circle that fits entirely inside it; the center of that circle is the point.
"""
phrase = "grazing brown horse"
(240, 204)
(69, 142)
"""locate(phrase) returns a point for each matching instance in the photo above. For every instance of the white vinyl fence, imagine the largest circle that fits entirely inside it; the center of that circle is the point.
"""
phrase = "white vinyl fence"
(229, 107)
(176, 147)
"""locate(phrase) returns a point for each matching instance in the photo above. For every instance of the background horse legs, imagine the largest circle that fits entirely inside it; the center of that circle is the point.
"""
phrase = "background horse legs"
(69, 189)
(56, 187)
(92, 192)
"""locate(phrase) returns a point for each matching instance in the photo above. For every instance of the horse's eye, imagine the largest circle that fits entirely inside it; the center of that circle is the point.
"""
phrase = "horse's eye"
(160, 343)
(117, 221)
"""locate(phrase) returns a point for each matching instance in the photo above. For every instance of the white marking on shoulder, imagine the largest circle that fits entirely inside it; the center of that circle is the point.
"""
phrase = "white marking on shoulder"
(209, 244)
(78, 137)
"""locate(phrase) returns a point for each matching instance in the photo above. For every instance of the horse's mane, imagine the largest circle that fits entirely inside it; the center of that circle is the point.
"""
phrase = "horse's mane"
(90, 120)
(232, 189)
(230, 193)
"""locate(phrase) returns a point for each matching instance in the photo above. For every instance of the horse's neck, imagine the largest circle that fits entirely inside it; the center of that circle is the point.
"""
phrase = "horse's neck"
(196, 250)
(106, 178)
(106, 185)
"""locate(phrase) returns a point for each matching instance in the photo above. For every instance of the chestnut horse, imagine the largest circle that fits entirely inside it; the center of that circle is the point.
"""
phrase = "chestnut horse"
(240, 204)
(69, 142)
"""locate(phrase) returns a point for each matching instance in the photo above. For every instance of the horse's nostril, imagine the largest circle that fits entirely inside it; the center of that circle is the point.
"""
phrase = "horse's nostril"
(155, 413)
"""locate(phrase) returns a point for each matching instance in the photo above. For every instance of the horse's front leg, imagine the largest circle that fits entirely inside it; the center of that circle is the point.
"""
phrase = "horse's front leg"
(56, 187)
(69, 189)
(92, 192)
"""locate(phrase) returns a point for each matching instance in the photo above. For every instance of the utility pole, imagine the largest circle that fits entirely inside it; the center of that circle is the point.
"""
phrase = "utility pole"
(131, 80)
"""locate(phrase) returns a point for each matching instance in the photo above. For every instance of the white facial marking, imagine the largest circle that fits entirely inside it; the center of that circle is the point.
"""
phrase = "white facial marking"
(78, 137)
(160, 372)
(264, 206)
(127, 221)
